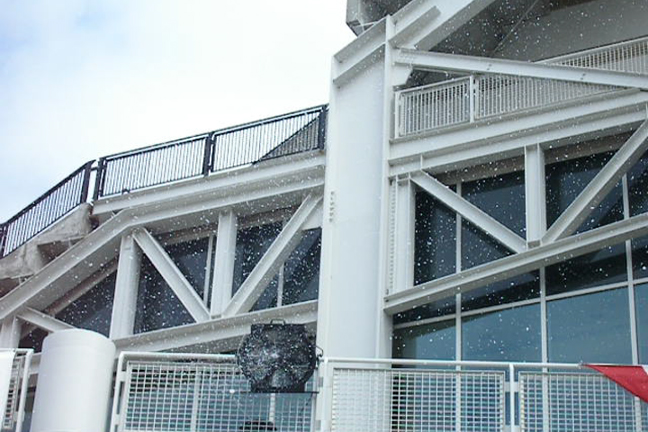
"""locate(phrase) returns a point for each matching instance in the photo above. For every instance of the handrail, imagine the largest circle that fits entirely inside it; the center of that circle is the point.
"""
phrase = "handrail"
(197, 155)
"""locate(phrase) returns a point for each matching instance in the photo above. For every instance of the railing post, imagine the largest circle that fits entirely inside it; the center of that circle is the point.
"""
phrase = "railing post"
(100, 179)
(321, 128)
(472, 92)
(3, 238)
(86, 182)
(207, 155)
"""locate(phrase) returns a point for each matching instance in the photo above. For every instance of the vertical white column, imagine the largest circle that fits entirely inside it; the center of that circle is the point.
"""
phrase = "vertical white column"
(404, 227)
(535, 191)
(126, 287)
(10, 333)
(224, 262)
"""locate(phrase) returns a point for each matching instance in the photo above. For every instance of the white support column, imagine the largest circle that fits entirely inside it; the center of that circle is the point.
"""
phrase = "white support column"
(269, 264)
(171, 275)
(126, 286)
(44, 321)
(599, 186)
(10, 333)
(535, 194)
(404, 232)
(470, 212)
(221, 292)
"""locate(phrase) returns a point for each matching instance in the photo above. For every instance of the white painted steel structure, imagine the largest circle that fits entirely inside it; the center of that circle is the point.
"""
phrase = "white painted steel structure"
(420, 118)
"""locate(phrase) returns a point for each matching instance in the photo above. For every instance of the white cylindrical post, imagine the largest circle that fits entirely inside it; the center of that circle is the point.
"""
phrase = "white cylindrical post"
(74, 382)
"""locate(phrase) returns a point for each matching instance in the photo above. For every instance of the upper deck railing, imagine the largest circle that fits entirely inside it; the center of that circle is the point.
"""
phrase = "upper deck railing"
(157, 392)
(199, 155)
(465, 100)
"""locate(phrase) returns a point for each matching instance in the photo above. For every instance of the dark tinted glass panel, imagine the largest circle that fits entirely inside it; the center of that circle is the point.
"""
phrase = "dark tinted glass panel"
(638, 187)
(268, 298)
(523, 287)
(251, 244)
(506, 335)
(34, 340)
(607, 265)
(157, 305)
(478, 248)
(641, 306)
(435, 309)
(191, 259)
(502, 197)
(590, 328)
(93, 310)
(301, 270)
(430, 342)
(640, 257)
(566, 180)
(435, 239)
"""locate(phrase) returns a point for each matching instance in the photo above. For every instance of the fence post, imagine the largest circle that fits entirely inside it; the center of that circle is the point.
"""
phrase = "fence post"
(207, 154)
(86, 182)
(321, 128)
(3, 238)
(100, 179)
(472, 94)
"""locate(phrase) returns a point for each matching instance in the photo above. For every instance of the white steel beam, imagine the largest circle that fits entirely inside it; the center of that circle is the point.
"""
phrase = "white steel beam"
(222, 334)
(514, 265)
(273, 259)
(535, 194)
(126, 287)
(479, 218)
(470, 64)
(10, 333)
(604, 181)
(171, 274)
(404, 236)
(223, 275)
(44, 321)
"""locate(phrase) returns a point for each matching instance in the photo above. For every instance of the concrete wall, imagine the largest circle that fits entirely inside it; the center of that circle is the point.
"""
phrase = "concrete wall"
(577, 28)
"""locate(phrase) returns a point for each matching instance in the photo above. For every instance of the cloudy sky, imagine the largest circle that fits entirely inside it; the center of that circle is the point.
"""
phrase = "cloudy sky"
(81, 79)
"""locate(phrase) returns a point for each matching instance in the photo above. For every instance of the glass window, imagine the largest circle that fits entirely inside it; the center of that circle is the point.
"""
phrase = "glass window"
(437, 308)
(640, 257)
(478, 248)
(506, 335)
(638, 186)
(93, 310)
(191, 259)
(590, 328)
(34, 339)
(301, 270)
(522, 287)
(429, 342)
(435, 239)
(605, 266)
(251, 244)
(157, 305)
(502, 197)
(641, 306)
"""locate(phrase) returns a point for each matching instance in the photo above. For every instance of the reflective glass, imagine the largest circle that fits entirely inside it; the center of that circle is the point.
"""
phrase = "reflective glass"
(428, 342)
(437, 308)
(604, 266)
(93, 310)
(590, 328)
(523, 287)
(157, 305)
(34, 339)
(506, 335)
(640, 257)
(638, 186)
(641, 306)
(251, 244)
(191, 259)
(478, 248)
(301, 270)
(435, 239)
(502, 197)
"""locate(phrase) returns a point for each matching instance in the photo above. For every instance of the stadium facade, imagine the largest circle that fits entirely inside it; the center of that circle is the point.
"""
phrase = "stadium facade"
(460, 228)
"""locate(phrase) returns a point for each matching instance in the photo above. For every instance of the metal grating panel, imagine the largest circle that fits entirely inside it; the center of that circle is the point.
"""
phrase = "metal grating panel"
(576, 402)
(417, 400)
(187, 396)
(13, 413)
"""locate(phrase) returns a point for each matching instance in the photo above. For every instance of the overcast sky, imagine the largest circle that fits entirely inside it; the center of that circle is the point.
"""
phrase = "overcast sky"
(81, 79)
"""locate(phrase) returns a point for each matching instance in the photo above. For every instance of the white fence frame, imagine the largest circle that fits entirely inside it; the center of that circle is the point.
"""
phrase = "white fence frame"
(18, 387)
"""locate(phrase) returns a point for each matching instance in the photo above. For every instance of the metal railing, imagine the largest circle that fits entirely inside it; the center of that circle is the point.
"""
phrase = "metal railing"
(630, 56)
(184, 392)
(47, 209)
(464, 100)
(199, 155)
(14, 412)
